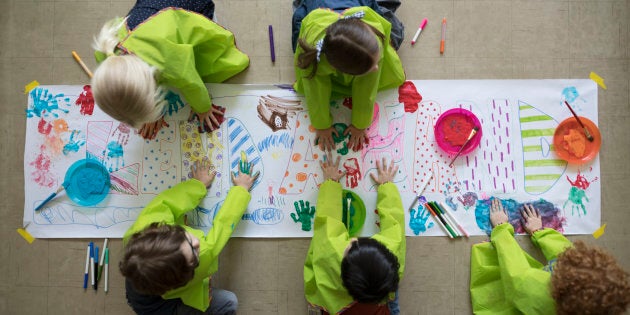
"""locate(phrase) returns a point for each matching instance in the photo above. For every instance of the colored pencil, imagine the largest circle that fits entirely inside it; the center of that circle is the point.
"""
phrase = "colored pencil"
(448, 222)
(437, 220)
(427, 179)
(459, 226)
(85, 68)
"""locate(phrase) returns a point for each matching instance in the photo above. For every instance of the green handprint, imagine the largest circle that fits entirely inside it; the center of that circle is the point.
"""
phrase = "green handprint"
(341, 138)
(305, 213)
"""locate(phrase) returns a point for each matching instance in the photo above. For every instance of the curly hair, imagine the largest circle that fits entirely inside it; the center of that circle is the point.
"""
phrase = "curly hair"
(153, 261)
(588, 280)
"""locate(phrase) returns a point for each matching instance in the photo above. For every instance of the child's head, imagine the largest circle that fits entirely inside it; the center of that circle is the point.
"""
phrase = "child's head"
(124, 86)
(160, 258)
(350, 45)
(369, 271)
(587, 280)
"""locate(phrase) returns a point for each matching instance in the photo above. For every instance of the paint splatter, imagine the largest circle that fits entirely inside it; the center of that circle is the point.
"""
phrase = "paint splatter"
(550, 215)
(74, 144)
(577, 194)
(44, 127)
(353, 172)
(42, 175)
(86, 101)
(408, 95)
(45, 103)
(570, 94)
(115, 156)
(468, 199)
(418, 220)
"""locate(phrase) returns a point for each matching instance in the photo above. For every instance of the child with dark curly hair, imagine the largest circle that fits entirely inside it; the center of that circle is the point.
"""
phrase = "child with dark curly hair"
(578, 279)
(349, 275)
(166, 264)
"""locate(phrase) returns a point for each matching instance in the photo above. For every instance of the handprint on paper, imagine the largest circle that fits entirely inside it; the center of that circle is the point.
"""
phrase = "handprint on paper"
(418, 220)
(353, 173)
(305, 213)
(74, 143)
(123, 131)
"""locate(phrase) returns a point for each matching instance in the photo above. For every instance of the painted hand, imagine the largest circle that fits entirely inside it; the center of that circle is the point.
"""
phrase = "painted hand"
(305, 213)
(150, 130)
(331, 170)
(245, 180)
(324, 138)
(532, 221)
(385, 173)
(202, 172)
(209, 119)
(418, 220)
(497, 213)
(358, 138)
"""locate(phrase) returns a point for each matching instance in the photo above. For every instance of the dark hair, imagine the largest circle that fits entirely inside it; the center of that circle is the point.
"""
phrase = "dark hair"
(349, 46)
(588, 280)
(153, 261)
(369, 271)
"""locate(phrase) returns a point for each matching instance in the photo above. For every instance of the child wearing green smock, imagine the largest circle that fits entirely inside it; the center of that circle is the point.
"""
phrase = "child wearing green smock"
(344, 54)
(331, 267)
(504, 279)
(163, 44)
(167, 264)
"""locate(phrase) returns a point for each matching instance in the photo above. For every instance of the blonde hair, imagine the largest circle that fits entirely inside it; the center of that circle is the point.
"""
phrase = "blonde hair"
(124, 86)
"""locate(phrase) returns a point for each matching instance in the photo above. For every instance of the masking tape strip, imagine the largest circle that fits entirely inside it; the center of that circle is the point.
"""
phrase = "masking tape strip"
(599, 80)
(30, 86)
(599, 232)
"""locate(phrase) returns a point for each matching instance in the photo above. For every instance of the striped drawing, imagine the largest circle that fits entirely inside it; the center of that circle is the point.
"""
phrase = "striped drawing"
(495, 159)
(125, 180)
(240, 139)
(97, 138)
(265, 216)
(542, 169)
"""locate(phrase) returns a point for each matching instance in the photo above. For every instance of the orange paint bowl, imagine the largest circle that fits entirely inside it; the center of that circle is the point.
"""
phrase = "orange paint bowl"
(453, 128)
(567, 151)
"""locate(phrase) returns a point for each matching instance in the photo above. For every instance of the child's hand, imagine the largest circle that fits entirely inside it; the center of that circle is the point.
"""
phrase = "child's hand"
(331, 170)
(209, 117)
(385, 173)
(150, 130)
(324, 138)
(201, 171)
(245, 180)
(357, 138)
(497, 213)
(532, 221)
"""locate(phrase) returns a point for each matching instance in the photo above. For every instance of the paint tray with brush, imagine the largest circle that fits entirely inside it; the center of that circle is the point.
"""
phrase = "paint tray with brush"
(452, 129)
(87, 182)
(570, 143)
(353, 212)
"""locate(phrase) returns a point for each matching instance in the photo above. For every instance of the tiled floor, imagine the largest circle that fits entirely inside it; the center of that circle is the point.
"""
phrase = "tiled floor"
(493, 39)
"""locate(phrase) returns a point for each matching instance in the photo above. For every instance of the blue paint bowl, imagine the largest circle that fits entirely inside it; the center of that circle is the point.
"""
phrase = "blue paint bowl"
(87, 182)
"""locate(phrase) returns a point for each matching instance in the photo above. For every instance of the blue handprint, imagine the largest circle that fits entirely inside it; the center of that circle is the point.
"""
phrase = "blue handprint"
(73, 144)
(418, 220)
(174, 103)
(115, 156)
(45, 103)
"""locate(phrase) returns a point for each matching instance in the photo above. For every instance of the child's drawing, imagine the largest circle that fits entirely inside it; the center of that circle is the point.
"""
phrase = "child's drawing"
(270, 125)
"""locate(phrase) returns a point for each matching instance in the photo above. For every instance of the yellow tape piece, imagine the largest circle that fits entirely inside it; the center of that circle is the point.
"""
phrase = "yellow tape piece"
(599, 80)
(599, 232)
(26, 235)
(30, 86)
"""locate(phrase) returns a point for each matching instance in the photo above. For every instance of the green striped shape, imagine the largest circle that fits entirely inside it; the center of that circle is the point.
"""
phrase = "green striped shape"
(535, 189)
(537, 148)
(537, 132)
(522, 107)
(536, 163)
(542, 177)
(535, 118)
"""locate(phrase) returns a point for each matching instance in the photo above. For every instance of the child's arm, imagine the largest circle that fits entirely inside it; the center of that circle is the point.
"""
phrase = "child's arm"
(390, 212)
(230, 213)
(364, 90)
(317, 93)
(551, 242)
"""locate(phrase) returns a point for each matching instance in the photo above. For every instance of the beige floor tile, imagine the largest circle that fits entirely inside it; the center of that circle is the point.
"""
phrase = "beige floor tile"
(28, 300)
(539, 29)
(75, 301)
(479, 29)
(32, 32)
(598, 29)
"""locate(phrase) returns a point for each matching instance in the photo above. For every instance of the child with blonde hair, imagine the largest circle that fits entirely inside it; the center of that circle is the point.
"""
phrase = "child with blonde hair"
(341, 54)
(163, 44)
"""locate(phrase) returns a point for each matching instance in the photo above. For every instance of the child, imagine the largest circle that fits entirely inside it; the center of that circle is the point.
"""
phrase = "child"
(578, 279)
(344, 54)
(167, 265)
(163, 43)
(355, 276)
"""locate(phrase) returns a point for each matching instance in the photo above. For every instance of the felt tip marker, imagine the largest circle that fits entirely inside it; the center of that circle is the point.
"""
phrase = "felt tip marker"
(415, 37)
(101, 261)
(87, 268)
(95, 270)
(443, 38)
(106, 269)
(92, 271)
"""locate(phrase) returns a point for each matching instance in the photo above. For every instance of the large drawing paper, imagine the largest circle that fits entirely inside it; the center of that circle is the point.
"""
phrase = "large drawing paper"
(515, 161)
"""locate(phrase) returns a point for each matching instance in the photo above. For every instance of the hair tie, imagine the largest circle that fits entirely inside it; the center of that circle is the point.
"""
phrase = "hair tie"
(355, 15)
(318, 47)
(110, 54)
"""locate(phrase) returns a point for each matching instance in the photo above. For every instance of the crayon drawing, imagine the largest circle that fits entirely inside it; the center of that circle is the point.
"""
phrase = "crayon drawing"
(270, 126)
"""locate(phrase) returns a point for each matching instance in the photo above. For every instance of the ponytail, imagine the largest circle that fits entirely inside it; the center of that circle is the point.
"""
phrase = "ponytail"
(307, 58)
(107, 39)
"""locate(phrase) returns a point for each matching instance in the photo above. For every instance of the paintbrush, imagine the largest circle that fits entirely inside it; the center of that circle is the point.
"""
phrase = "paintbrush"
(586, 132)
(470, 136)
(41, 205)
